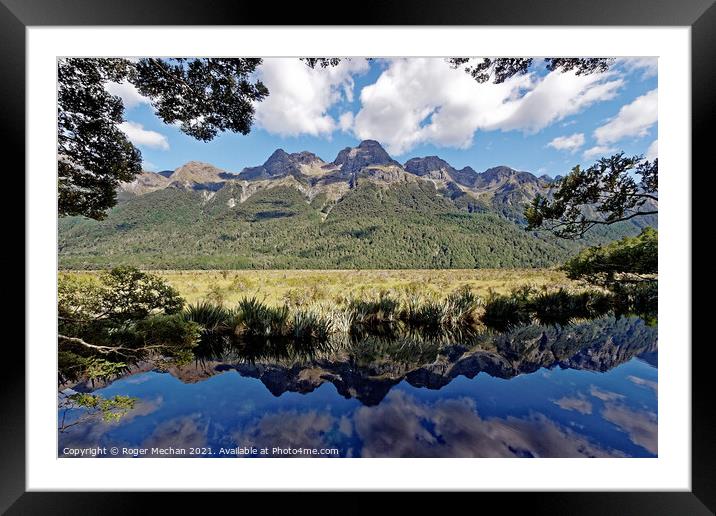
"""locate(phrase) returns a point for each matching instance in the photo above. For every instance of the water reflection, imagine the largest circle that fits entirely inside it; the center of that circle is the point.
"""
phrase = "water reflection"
(404, 427)
(582, 390)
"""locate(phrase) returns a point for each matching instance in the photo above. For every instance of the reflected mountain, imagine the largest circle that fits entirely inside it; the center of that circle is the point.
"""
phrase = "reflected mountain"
(367, 367)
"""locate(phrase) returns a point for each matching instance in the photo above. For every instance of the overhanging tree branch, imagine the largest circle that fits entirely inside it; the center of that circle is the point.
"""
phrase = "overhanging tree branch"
(605, 193)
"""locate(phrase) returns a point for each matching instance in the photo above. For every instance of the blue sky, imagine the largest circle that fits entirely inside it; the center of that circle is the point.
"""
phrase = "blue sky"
(542, 122)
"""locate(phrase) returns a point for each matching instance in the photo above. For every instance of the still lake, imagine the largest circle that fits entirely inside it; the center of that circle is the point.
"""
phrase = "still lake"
(587, 389)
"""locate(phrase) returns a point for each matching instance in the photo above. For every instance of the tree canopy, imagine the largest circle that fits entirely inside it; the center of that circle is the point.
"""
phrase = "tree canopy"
(203, 96)
(93, 155)
(629, 260)
(615, 189)
(123, 315)
(122, 294)
(500, 69)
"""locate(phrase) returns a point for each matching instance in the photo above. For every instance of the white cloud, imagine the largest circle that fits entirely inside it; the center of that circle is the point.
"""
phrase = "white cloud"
(418, 101)
(300, 97)
(598, 151)
(138, 135)
(149, 166)
(649, 66)
(633, 120)
(653, 151)
(129, 94)
(345, 121)
(570, 143)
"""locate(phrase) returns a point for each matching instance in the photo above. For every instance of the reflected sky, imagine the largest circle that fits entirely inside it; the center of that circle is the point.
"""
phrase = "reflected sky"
(593, 400)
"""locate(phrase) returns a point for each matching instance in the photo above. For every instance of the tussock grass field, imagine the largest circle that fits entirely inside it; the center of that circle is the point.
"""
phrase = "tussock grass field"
(298, 287)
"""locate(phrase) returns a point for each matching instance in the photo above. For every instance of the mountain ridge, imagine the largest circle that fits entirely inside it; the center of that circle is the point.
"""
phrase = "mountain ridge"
(368, 160)
(362, 210)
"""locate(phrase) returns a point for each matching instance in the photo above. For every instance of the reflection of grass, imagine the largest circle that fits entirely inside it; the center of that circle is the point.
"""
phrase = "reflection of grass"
(304, 287)
(549, 306)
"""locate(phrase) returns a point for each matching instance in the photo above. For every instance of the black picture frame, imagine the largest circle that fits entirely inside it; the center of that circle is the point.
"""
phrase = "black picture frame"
(700, 15)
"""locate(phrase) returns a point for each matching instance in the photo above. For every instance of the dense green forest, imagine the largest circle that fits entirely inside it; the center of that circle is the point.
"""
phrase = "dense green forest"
(401, 225)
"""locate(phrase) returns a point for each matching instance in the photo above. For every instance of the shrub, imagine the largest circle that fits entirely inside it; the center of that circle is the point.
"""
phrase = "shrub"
(210, 316)
(173, 332)
(342, 320)
(376, 311)
(256, 318)
(121, 294)
(626, 260)
(459, 307)
(639, 299)
(310, 325)
(424, 313)
(411, 311)
(128, 293)
(503, 312)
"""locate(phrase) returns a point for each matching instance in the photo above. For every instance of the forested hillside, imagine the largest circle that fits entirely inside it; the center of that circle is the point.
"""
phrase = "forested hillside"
(309, 214)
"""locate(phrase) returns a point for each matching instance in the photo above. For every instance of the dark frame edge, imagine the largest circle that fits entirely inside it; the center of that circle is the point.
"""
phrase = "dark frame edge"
(12, 136)
(701, 500)
(393, 12)
(703, 107)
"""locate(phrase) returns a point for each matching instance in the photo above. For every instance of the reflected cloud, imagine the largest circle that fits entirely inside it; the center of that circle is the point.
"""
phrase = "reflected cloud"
(94, 430)
(182, 432)
(397, 379)
(345, 426)
(405, 427)
(289, 429)
(643, 382)
(640, 426)
(605, 395)
(579, 404)
(138, 379)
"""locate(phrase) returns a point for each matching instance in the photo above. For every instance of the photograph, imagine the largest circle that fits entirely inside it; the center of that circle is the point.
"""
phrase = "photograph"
(357, 257)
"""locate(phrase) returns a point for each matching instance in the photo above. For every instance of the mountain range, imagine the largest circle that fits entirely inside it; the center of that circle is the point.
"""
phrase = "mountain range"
(361, 210)
(360, 371)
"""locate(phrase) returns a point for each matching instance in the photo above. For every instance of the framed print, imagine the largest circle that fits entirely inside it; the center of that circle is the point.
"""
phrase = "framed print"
(346, 257)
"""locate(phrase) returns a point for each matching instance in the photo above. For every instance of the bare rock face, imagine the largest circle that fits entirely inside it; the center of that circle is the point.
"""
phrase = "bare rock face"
(143, 183)
(389, 174)
(306, 158)
(498, 176)
(197, 173)
(368, 152)
(282, 164)
(437, 168)
(279, 164)
(427, 166)
(465, 176)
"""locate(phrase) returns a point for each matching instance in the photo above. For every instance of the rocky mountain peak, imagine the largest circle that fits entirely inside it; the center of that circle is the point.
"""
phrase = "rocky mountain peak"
(367, 153)
(197, 172)
(305, 158)
(426, 165)
(143, 183)
(499, 172)
(368, 144)
(503, 174)
(278, 155)
(279, 163)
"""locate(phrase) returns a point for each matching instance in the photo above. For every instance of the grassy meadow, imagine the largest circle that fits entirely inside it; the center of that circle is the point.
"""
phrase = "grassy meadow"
(298, 287)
